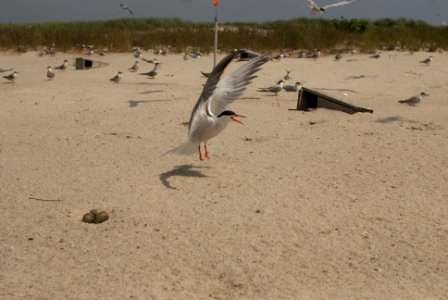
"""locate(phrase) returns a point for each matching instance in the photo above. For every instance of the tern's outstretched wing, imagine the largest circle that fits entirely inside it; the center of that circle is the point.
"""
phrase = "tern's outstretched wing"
(209, 88)
(339, 3)
(313, 4)
(232, 87)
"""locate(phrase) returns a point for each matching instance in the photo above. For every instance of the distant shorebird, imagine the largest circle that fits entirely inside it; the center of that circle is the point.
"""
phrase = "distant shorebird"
(125, 7)
(338, 56)
(186, 56)
(11, 77)
(318, 10)
(50, 73)
(134, 67)
(153, 72)
(414, 100)
(315, 54)
(137, 52)
(273, 89)
(210, 117)
(427, 61)
(293, 88)
(63, 66)
(117, 78)
(376, 55)
(287, 76)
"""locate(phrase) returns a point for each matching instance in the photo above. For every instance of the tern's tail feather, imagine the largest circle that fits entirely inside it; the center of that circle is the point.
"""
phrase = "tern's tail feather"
(187, 148)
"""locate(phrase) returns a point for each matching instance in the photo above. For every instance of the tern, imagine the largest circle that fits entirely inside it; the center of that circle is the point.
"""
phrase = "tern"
(318, 10)
(153, 72)
(63, 66)
(11, 77)
(273, 89)
(209, 116)
(376, 55)
(117, 78)
(50, 73)
(414, 100)
(427, 61)
(293, 88)
(125, 7)
(134, 67)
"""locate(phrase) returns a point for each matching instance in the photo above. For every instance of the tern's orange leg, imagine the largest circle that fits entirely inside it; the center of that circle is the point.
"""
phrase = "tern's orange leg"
(206, 152)
(199, 150)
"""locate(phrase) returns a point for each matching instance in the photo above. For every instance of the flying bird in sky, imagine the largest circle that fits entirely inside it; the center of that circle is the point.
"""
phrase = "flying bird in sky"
(125, 7)
(318, 10)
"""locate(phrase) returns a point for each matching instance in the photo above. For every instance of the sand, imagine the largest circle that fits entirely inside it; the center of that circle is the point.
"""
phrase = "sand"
(292, 205)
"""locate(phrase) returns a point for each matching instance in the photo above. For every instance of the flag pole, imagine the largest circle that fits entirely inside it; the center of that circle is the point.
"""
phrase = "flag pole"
(216, 33)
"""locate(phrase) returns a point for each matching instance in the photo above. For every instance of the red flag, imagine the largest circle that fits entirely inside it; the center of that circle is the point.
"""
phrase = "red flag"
(215, 2)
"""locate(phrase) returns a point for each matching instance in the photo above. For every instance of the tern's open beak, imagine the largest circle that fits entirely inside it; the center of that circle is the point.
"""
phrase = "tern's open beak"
(236, 120)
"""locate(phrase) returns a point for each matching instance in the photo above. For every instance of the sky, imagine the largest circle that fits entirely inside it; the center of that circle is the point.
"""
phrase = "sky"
(36, 11)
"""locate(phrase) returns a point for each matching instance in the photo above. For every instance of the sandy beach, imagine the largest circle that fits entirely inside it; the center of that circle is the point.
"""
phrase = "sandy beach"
(291, 205)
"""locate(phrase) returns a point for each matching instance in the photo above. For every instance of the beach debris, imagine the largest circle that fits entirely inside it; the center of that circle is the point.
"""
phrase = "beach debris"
(312, 99)
(95, 216)
(45, 200)
(85, 64)
(414, 100)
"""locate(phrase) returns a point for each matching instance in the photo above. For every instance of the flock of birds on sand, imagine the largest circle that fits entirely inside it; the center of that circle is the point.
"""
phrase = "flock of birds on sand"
(210, 116)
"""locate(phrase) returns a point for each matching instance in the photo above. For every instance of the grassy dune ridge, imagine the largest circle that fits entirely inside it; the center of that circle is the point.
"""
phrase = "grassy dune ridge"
(121, 34)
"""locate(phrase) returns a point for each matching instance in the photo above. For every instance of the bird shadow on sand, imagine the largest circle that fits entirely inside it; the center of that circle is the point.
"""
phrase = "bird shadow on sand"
(182, 170)
(338, 90)
(394, 119)
(135, 103)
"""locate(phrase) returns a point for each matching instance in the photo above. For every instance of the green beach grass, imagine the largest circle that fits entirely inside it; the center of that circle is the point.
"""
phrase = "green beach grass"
(328, 35)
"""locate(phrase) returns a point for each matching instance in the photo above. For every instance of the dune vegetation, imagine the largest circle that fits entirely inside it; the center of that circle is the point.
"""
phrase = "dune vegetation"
(304, 33)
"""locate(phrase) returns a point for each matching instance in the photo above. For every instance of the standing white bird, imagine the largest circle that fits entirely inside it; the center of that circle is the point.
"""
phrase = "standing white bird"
(209, 117)
(134, 67)
(427, 61)
(125, 7)
(318, 10)
(276, 88)
(414, 100)
(50, 73)
(63, 66)
(12, 77)
(293, 88)
(117, 78)
(153, 72)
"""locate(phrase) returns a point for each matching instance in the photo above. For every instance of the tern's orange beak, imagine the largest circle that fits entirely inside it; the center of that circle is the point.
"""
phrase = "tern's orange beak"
(236, 120)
